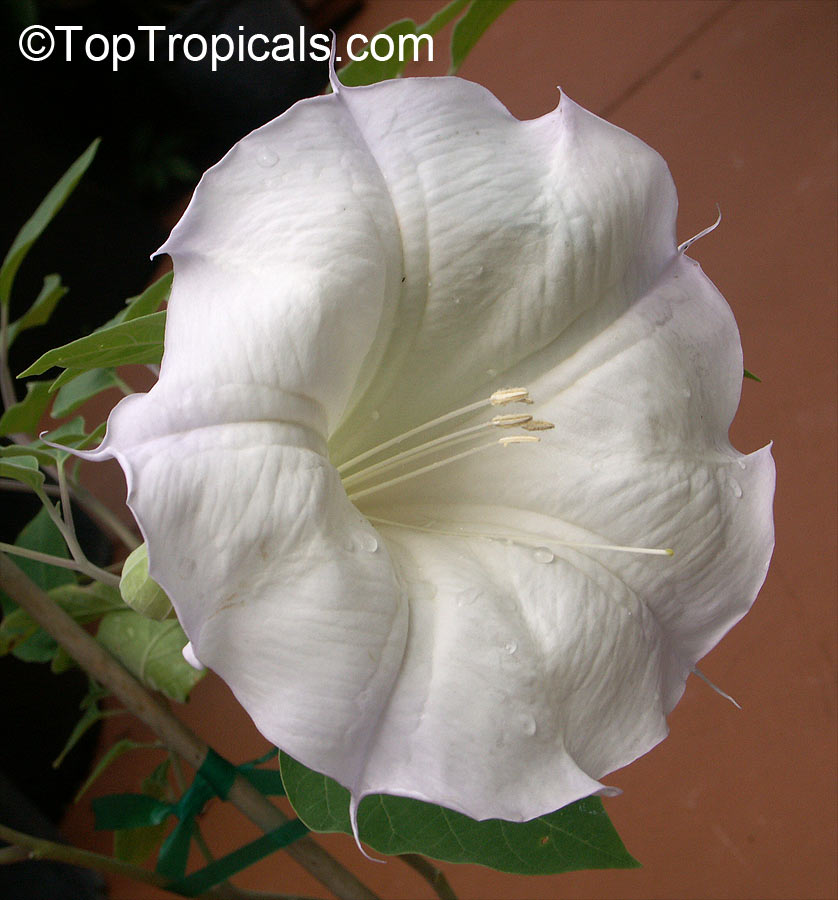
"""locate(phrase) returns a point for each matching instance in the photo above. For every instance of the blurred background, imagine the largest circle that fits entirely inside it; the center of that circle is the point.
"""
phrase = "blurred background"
(740, 99)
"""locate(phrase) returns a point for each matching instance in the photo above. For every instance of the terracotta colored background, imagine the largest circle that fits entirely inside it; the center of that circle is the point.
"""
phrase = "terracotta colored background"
(740, 100)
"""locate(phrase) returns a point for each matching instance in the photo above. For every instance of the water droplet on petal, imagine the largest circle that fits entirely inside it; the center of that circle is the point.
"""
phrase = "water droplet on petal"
(368, 542)
(510, 647)
(491, 372)
(375, 415)
(543, 555)
(528, 725)
(266, 157)
(687, 393)
(736, 488)
(740, 461)
(596, 466)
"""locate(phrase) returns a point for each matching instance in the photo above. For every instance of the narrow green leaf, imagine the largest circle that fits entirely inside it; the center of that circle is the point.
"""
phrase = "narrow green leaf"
(440, 19)
(41, 310)
(118, 749)
(42, 216)
(136, 845)
(69, 434)
(146, 303)
(580, 836)
(80, 389)
(88, 719)
(151, 651)
(136, 341)
(371, 70)
(751, 375)
(469, 30)
(23, 417)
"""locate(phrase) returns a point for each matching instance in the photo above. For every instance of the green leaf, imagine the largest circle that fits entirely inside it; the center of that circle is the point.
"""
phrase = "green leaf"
(751, 375)
(151, 651)
(41, 310)
(469, 30)
(23, 468)
(70, 434)
(89, 602)
(136, 845)
(23, 417)
(118, 749)
(81, 388)
(136, 341)
(580, 836)
(151, 299)
(371, 70)
(42, 216)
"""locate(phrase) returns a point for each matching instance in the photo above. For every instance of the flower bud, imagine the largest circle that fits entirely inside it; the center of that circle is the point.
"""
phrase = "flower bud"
(139, 591)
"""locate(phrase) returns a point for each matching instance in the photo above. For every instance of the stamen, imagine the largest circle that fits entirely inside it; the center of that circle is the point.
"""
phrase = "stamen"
(510, 395)
(538, 425)
(524, 540)
(511, 421)
(499, 398)
(416, 472)
(519, 439)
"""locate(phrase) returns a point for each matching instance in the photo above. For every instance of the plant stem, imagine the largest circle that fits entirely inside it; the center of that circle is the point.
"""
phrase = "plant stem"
(27, 847)
(6, 484)
(434, 876)
(107, 671)
(7, 388)
(58, 561)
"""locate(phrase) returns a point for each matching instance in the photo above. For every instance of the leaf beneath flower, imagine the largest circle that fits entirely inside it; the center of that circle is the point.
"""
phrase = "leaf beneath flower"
(580, 836)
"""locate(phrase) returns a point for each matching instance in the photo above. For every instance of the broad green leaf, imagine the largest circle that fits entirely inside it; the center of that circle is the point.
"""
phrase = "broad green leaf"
(151, 299)
(468, 31)
(81, 388)
(41, 310)
(118, 749)
(23, 417)
(139, 590)
(751, 375)
(87, 603)
(580, 836)
(42, 216)
(135, 341)
(151, 650)
(23, 468)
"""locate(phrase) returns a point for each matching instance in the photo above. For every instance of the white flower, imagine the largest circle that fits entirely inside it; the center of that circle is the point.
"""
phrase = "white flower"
(410, 584)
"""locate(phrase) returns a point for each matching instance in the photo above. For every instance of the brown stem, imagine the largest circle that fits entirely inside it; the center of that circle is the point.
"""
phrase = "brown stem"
(434, 876)
(104, 668)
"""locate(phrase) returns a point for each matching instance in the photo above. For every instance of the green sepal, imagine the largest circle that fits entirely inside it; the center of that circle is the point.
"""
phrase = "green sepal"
(580, 836)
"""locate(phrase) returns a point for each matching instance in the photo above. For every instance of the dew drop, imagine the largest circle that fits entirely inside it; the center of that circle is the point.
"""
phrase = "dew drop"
(740, 462)
(491, 372)
(687, 393)
(528, 725)
(510, 647)
(543, 555)
(736, 488)
(375, 415)
(596, 466)
(266, 157)
(457, 300)
(368, 542)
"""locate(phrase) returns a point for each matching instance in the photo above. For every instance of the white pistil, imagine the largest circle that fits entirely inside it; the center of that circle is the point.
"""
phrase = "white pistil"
(519, 439)
(499, 398)
(522, 540)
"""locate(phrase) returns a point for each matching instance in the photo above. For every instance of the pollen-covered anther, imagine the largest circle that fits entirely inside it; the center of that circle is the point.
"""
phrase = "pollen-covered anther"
(519, 439)
(511, 421)
(510, 395)
(537, 425)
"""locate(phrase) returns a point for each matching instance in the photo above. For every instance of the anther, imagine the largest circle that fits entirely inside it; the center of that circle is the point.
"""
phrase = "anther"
(519, 439)
(537, 425)
(511, 421)
(510, 395)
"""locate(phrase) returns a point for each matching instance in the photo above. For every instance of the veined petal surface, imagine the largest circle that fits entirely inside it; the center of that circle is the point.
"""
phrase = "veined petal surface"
(446, 617)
